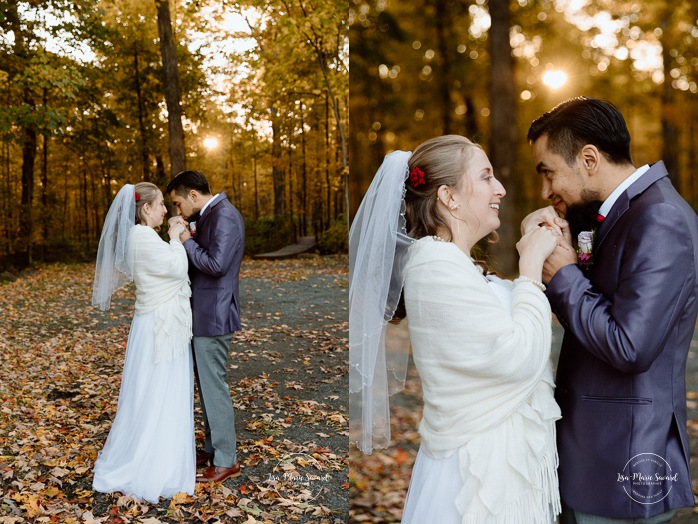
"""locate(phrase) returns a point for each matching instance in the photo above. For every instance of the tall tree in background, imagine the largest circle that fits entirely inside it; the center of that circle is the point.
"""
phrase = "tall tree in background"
(18, 63)
(171, 87)
(372, 35)
(670, 143)
(85, 79)
(443, 20)
(503, 132)
(31, 72)
(316, 23)
(300, 54)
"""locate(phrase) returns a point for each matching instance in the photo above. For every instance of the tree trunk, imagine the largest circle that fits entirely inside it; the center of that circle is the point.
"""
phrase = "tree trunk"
(328, 145)
(85, 199)
(29, 140)
(235, 192)
(444, 79)
(471, 127)
(44, 186)
(502, 150)
(28, 159)
(291, 201)
(6, 239)
(141, 119)
(304, 178)
(338, 119)
(254, 169)
(160, 175)
(44, 195)
(693, 157)
(670, 139)
(277, 172)
(171, 86)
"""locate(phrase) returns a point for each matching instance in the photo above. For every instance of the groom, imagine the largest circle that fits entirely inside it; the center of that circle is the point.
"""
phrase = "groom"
(629, 313)
(215, 255)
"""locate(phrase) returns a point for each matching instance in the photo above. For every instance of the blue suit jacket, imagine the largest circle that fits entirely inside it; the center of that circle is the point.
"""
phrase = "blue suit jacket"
(215, 256)
(628, 325)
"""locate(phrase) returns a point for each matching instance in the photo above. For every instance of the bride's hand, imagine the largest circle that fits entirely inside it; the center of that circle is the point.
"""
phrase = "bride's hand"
(546, 216)
(534, 248)
(176, 229)
(176, 220)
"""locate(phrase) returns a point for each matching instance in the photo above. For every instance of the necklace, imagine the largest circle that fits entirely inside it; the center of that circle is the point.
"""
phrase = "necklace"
(437, 238)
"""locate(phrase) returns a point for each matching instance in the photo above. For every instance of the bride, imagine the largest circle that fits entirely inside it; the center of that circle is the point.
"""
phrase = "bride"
(481, 344)
(149, 452)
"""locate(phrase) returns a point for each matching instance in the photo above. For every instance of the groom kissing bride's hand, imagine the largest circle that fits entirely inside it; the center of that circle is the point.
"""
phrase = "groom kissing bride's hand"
(177, 226)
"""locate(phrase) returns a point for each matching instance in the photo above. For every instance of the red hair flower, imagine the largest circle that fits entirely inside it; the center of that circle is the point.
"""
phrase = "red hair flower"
(138, 197)
(417, 177)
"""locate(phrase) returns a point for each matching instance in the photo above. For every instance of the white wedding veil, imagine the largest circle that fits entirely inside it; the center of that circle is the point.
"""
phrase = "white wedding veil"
(378, 245)
(112, 269)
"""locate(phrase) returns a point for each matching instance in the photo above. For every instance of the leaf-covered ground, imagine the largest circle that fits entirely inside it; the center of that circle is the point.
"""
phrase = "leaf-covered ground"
(61, 363)
(379, 482)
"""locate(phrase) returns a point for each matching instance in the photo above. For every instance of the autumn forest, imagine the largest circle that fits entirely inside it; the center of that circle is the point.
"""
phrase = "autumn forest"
(98, 93)
(487, 69)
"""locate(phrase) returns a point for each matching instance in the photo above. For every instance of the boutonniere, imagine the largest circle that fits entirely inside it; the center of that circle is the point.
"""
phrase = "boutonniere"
(585, 241)
(192, 229)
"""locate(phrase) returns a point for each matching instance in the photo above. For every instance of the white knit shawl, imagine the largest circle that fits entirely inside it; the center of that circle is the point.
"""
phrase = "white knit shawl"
(487, 384)
(162, 287)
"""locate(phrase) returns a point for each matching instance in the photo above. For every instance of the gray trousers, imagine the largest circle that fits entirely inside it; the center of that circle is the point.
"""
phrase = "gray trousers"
(571, 516)
(210, 371)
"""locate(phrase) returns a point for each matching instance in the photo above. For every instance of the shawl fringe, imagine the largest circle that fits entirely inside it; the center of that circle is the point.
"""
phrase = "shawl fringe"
(539, 505)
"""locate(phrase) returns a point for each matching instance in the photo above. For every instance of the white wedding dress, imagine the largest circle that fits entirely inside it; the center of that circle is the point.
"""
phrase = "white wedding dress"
(481, 346)
(150, 450)
(436, 483)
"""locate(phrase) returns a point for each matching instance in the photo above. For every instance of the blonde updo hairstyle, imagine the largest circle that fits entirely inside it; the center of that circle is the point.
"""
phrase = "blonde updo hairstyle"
(147, 194)
(443, 160)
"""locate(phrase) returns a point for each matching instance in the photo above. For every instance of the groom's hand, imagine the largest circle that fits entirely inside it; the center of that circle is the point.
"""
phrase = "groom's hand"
(185, 235)
(562, 256)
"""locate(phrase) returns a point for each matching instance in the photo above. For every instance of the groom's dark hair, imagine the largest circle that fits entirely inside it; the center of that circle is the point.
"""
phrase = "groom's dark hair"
(188, 180)
(580, 121)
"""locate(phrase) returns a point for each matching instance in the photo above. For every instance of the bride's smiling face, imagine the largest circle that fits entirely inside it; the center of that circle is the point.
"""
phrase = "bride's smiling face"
(155, 212)
(478, 198)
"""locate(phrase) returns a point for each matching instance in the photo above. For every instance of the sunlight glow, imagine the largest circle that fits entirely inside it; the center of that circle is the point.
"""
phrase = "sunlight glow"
(481, 21)
(210, 143)
(618, 37)
(554, 79)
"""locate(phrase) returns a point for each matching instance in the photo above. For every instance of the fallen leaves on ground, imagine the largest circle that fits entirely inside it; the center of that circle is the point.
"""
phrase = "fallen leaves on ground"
(378, 482)
(62, 361)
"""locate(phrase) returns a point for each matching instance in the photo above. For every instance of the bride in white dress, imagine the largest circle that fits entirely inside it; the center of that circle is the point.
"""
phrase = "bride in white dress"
(149, 452)
(481, 344)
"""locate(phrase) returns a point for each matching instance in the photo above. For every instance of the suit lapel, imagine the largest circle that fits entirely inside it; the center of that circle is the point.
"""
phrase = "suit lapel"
(656, 172)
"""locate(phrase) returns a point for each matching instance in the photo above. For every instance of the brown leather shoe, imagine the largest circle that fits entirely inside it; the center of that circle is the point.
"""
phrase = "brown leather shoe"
(203, 458)
(216, 474)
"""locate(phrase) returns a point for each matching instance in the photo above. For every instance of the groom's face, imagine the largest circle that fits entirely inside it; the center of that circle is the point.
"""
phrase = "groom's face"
(563, 184)
(186, 207)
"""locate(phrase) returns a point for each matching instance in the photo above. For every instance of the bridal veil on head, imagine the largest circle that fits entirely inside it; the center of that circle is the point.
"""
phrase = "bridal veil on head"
(378, 244)
(113, 270)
